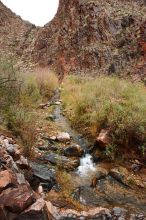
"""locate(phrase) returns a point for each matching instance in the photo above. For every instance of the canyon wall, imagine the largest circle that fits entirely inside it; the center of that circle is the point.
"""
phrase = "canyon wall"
(85, 37)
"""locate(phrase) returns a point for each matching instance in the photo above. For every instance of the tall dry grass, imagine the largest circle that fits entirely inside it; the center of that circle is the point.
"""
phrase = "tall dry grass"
(107, 102)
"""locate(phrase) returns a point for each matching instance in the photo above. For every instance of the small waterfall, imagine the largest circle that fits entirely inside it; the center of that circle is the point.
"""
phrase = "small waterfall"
(87, 167)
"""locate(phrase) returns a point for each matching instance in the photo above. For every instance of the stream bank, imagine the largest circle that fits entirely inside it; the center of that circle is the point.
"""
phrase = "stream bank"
(63, 182)
(100, 184)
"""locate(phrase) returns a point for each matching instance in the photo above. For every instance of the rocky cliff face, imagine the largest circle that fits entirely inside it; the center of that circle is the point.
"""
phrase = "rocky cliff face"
(93, 37)
(15, 34)
(86, 36)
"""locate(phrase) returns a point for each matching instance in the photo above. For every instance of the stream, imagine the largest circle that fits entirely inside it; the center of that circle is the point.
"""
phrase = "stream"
(109, 191)
(86, 168)
(100, 184)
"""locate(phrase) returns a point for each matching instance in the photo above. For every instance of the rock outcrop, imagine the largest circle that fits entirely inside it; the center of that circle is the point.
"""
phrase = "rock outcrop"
(16, 35)
(17, 198)
(92, 37)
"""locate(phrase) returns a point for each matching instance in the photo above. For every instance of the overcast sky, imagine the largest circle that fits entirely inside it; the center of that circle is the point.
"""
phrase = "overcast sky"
(38, 12)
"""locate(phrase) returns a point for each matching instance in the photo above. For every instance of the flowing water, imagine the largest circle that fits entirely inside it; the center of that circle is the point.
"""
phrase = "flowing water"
(109, 190)
(87, 167)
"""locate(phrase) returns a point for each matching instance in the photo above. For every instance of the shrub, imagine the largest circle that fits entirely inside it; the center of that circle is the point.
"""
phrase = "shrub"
(20, 94)
(47, 82)
(23, 125)
(107, 102)
(30, 95)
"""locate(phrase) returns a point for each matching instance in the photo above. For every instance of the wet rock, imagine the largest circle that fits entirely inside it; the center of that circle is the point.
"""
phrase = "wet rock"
(45, 175)
(7, 179)
(63, 137)
(101, 173)
(120, 174)
(61, 161)
(23, 163)
(55, 158)
(119, 213)
(73, 151)
(36, 211)
(17, 199)
(87, 196)
(103, 138)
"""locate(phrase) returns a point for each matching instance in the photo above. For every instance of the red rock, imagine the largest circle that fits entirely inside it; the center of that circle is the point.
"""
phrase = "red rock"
(7, 179)
(17, 199)
(94, 213)
(2, 213)
(36, 211)
(103, 138)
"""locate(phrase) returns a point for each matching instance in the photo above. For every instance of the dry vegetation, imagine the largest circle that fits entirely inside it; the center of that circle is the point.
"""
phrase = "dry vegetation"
(67, 188)
(20, 95)
(110, 103)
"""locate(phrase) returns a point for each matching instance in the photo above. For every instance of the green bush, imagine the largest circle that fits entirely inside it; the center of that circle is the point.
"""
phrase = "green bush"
(107, 102)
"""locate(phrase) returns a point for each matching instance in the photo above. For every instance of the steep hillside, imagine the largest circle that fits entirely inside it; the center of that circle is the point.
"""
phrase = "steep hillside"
(86, 36)
(93, 37)
(15, 34)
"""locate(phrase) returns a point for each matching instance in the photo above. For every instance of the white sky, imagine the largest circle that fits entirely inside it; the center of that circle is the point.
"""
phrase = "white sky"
(38, 12)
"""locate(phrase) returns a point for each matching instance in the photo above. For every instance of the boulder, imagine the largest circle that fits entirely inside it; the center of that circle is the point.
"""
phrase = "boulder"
(7, 179)
(61, 161)
(120, 174)
(55, 159)
(71, 165)
(63, 137)
(17, 199)
(44, 174)
(73, 151)
(101, 173)
(36, 211)
(66, 214)
(119, 212)
(23, 163)
(103, 138)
